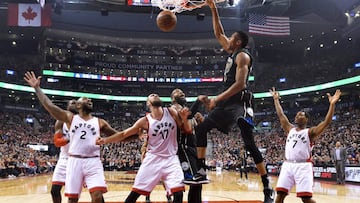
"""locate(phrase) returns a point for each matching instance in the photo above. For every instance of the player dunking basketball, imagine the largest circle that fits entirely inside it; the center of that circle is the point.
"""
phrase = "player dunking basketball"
(84, 164)
(297, 168)
(234, 103)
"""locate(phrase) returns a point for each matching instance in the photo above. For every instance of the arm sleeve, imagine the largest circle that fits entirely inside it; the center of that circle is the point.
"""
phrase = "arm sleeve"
(60, 140)
(194, 108)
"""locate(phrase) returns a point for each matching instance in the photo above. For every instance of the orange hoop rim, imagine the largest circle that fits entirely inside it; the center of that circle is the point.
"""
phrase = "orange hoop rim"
(178, 6)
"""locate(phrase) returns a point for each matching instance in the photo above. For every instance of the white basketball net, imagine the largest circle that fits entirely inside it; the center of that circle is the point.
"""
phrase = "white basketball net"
(178, 6)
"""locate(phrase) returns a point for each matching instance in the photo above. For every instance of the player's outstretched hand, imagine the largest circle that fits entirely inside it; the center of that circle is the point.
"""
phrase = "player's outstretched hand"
(211, 104)
(100, 141)
(205, 101)
(274, 93)
(333, 99)
(184, 113)
(199, 117)
(32, 80)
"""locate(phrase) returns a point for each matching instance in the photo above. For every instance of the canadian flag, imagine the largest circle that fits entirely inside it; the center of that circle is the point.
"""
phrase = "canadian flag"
(29, 15)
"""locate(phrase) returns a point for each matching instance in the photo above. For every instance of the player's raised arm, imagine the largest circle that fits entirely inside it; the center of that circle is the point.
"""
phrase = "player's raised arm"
(55, 111)
(284, 121)
(123, 135)
(317, 130)
(217, 26)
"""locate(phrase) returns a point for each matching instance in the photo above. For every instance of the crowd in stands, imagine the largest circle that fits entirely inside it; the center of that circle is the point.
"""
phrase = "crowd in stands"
(325, 68)
(18, 159)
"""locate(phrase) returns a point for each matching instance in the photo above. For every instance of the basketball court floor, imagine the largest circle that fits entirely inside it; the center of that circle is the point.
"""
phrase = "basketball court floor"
(224, 187)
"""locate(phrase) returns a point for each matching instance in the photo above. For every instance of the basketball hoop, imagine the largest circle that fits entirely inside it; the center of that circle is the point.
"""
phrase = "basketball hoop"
(178, 6)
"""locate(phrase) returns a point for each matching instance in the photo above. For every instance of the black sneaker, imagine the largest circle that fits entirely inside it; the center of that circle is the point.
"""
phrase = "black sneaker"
(269, 195)
(199, 178)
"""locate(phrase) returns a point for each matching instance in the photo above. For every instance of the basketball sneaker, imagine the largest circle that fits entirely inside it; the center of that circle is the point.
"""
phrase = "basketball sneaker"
(269, 195)
(199, 178)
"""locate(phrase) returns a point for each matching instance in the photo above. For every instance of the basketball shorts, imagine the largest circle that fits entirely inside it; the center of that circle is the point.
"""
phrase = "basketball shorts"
(228, 112)
(154, 169)
(296, 174)
(80, 171)
(188, 157)
(59, 175)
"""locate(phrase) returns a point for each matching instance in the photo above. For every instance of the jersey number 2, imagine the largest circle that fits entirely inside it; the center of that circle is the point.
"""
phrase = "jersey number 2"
(82, 136)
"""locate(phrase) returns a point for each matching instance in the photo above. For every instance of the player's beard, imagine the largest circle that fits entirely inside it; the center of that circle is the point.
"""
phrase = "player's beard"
(180, 100)
(157, 103)
(87, 109)
(73, 110)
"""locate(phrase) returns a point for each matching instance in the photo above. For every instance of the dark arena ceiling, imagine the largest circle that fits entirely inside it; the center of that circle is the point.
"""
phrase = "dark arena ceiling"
(115, 21)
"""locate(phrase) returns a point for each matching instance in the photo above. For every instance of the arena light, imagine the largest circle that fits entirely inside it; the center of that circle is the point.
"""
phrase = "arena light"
(52, 80)
(10, 72)
(357, 65)
(313, 88)
(282, 80)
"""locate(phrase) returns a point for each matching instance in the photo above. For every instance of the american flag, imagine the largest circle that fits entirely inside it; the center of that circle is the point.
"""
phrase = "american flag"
(269, 25)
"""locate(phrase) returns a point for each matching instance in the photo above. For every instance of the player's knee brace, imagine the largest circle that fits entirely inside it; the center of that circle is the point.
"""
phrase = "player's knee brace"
(178, 197)
(133, 196)
(201, 132)
(55, 190)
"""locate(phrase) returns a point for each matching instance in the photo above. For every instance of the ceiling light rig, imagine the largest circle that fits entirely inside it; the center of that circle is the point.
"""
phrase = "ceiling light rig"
(352, 15)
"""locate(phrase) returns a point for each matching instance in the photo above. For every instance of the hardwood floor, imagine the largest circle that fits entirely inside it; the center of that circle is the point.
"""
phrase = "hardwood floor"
(223, 187)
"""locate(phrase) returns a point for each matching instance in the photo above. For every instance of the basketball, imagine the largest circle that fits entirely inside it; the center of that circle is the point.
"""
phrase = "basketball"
(166, 21)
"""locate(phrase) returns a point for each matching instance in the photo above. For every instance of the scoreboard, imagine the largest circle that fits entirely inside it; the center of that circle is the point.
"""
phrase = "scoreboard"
(139, 3)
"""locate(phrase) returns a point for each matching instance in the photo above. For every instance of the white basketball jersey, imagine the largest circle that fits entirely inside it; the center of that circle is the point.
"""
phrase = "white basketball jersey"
(298, 146)
(83, 136)
(162, 135)
(64, 150)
